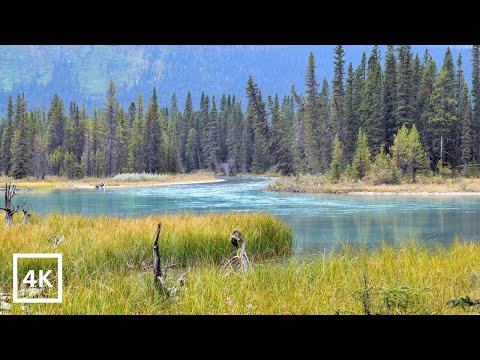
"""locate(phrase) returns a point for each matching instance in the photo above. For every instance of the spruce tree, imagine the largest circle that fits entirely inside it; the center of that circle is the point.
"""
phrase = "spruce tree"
(372, 118)
(465, 116)
(339, 92)
(443, 117)
(311, 118)
(476, 100)
(112, 146)
(6, 159)
(351, 126)
(153, 137)
(262, 141)
(21, 146)
(389, 91)
(405, 94)
(136, 160)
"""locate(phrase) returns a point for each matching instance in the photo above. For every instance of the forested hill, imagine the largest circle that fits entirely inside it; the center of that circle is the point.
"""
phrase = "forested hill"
(81, 73)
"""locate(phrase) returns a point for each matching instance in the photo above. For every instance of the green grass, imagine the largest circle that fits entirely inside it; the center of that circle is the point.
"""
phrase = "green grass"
(405, 279)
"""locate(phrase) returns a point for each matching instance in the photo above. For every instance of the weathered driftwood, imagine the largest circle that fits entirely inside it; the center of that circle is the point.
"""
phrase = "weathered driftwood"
(26, 215)
(240, 260)
(159, 277)
(57, 240)
(9, 209)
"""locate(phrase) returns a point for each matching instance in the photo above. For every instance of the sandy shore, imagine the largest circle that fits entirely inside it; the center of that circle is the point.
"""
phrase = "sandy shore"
(86, 186)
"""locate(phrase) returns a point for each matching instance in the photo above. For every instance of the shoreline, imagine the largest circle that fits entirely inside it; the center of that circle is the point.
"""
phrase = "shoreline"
(86, 186)
(413, 193)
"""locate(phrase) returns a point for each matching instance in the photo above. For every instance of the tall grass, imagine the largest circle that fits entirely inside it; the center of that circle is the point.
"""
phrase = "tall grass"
(95, 245)
(103, 271)
(424, 184)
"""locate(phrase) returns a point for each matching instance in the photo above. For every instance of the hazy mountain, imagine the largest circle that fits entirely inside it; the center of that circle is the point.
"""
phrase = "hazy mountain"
(81, 73)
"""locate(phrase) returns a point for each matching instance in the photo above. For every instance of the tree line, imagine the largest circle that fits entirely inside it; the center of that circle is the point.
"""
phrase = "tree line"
(409, 113)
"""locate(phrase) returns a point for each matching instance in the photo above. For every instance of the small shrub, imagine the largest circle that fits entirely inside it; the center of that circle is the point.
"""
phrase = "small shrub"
(134, 177)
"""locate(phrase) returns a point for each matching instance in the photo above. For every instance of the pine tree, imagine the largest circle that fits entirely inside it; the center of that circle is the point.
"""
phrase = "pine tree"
(389, 91)
(443, 116)
(21, 148)
(339, 93)
(122, 140)
(351, 126)
(211, 149)
(417, 158)
(426, 105)
(153, 136)
(260, 159)
(87, 160)
(361, 159)
(187, 122)
(359, 89)
(408, 151)
(280, 149)
(311, 118)
(476, 100)
(136, 161)
(112, 146)
(40, 159)
(405, 94)
(400, 149)
(371, 108)
(336, 165)
(6, 159)
(299, 157)
(465, 116)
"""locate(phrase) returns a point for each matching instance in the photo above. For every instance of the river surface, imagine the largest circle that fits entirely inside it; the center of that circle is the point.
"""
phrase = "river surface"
(320, 222)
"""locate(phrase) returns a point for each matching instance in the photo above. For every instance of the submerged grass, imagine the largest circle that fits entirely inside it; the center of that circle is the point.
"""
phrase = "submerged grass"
(405, 279)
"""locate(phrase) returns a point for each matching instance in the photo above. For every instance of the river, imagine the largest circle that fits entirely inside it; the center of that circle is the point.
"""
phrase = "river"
(320, 222)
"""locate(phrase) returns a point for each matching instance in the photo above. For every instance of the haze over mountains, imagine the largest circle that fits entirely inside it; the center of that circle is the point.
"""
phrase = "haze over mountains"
(81, 73)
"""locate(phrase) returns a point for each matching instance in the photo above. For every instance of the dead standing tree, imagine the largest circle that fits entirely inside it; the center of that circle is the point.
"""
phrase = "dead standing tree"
(10, 192)
(159, 277)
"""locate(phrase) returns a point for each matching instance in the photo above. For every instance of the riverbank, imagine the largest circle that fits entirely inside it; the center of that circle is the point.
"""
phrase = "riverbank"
(119, 181)
(107, 269)
(425, 186)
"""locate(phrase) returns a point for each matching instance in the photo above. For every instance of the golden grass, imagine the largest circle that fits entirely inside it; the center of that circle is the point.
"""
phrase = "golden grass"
(319, 184)
(405, 279)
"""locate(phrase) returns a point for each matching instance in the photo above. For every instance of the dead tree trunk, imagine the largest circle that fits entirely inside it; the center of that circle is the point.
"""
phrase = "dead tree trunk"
(159, 277)
(241, 259)
(26, 215)
(9, 209)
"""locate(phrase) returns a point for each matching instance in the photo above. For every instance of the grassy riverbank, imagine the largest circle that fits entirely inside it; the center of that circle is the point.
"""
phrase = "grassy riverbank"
(53, 182)
(423, 186)
(106, 269)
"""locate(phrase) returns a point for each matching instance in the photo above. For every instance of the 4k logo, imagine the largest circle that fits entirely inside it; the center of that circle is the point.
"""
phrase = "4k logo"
(35, 283)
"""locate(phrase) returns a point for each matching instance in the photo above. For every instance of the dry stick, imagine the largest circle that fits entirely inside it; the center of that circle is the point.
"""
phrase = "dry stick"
(157, 269)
